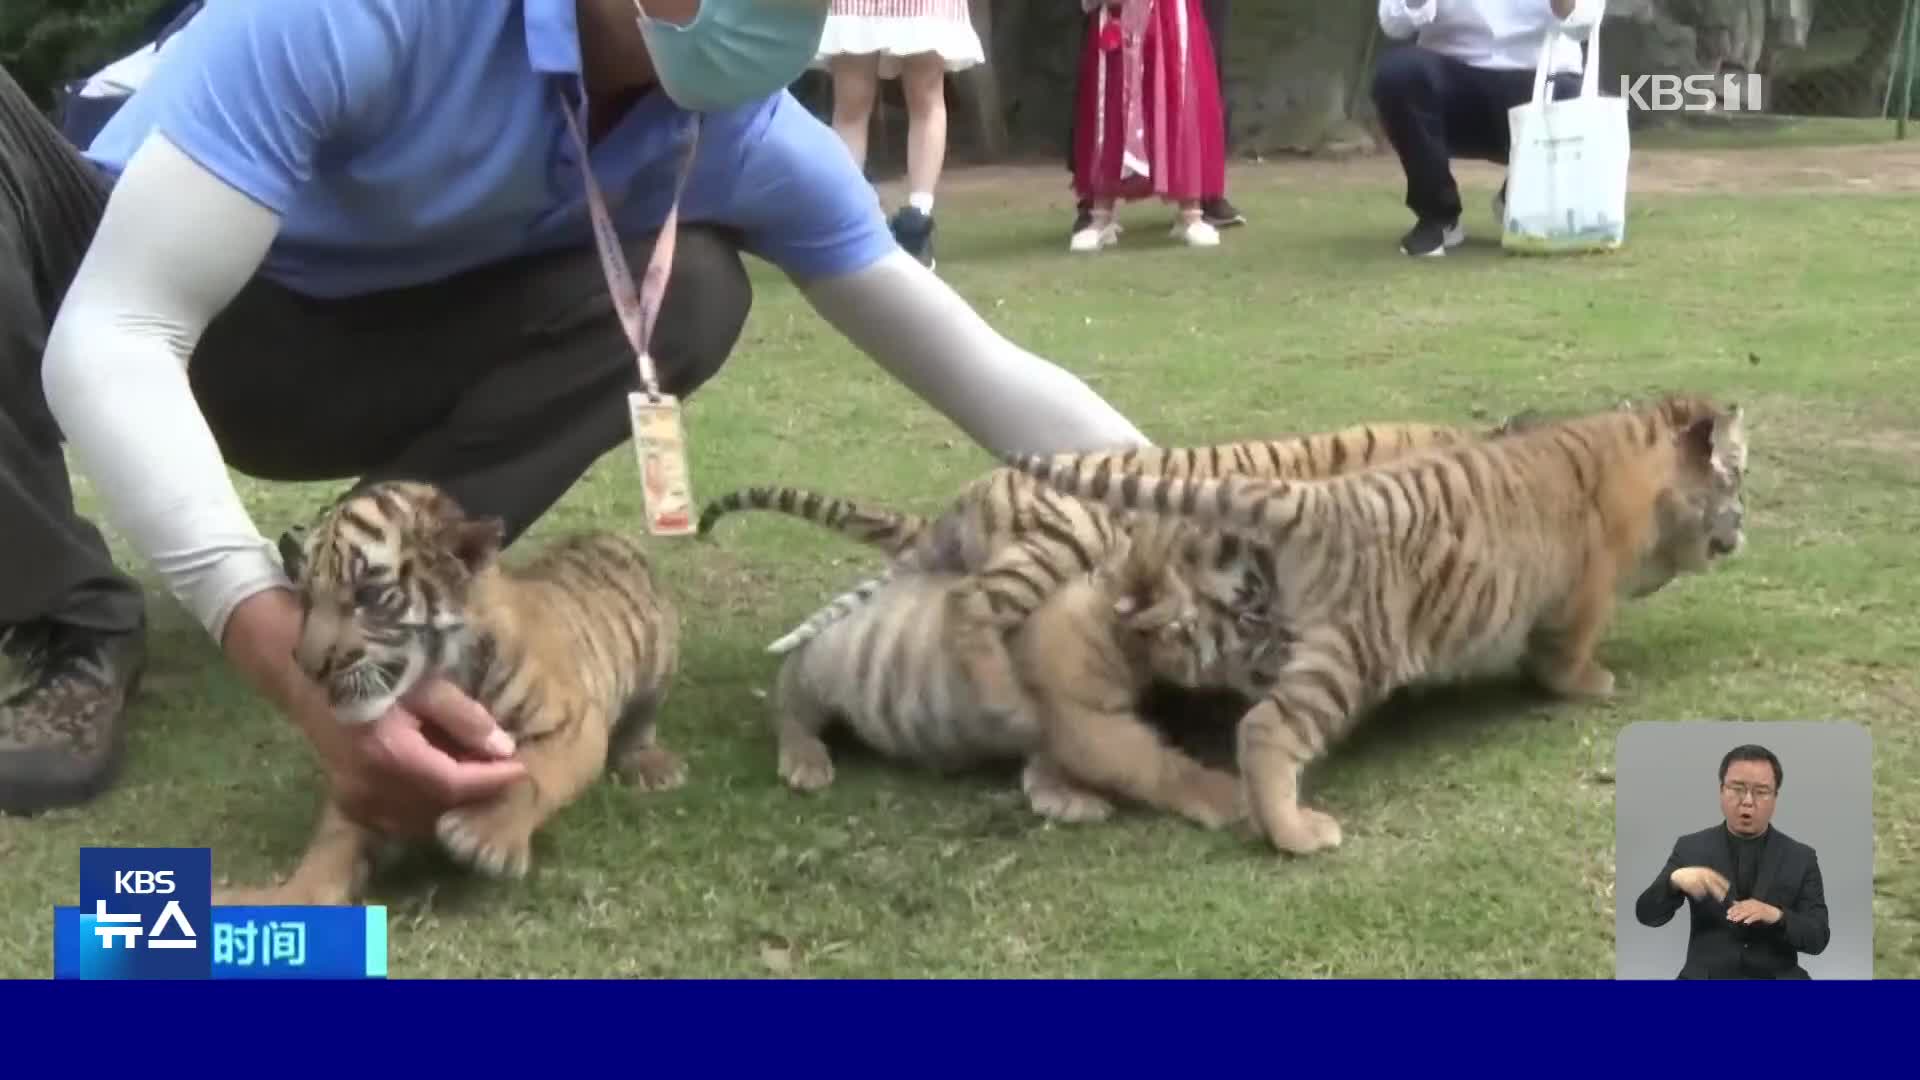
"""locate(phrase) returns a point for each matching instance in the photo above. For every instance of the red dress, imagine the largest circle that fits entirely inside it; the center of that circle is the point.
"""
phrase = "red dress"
(1148, 121)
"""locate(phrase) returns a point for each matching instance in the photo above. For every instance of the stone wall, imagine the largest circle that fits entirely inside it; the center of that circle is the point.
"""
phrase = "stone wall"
(1297, 70)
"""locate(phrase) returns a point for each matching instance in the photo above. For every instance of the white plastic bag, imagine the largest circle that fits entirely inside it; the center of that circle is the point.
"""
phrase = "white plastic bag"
(1567, 169)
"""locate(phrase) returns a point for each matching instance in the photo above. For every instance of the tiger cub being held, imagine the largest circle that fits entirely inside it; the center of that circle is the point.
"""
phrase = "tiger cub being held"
(1455, 563)
(572, 651)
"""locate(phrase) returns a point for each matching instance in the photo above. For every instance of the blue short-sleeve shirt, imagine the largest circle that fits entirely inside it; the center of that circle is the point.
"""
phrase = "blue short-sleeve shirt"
(402, 141)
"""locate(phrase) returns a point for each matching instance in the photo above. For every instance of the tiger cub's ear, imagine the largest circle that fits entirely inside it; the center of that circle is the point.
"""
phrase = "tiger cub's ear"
(293, 559)
(474, 541)
(1717, 440)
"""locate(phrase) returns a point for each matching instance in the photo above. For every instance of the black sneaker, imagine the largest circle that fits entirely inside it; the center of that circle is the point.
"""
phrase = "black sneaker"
(1432, 238)
(1221, 214)
(62, 725)
(913, 230)
(1082, 216)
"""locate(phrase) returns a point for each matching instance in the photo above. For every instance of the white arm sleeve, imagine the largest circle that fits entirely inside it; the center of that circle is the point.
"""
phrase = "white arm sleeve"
(174, 247)
(1004, 397)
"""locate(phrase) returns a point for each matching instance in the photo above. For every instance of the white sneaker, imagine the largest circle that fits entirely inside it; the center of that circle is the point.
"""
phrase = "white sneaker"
(1196, 233)
(1094, 237)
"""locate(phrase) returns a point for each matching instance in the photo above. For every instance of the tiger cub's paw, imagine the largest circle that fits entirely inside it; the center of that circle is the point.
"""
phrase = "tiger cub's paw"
(806, 766)
(492, 838)
(1053, 797)
(1591, 682)
(1217, 800)
(652, 768)
(1304, 831)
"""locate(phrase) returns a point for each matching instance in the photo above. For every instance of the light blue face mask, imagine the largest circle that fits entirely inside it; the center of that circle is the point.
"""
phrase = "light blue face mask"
(734, 51)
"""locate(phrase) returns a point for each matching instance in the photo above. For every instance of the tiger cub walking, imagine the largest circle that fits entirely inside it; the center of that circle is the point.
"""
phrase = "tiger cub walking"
(1455, 563)
(573, 651)
(1021, 539)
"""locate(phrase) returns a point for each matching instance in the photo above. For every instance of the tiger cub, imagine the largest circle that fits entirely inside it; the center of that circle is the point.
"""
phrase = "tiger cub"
(572, 650)
(1023, 539)
(1452, 564)
(917, 681)
(1168, 605)
(903, 676)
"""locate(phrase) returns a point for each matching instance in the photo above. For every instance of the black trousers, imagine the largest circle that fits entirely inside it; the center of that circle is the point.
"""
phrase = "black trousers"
(504, 384)
(1435, 108)
(1215, 13)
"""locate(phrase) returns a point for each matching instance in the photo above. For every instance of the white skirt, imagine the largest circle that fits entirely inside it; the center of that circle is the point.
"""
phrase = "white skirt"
(894, 37)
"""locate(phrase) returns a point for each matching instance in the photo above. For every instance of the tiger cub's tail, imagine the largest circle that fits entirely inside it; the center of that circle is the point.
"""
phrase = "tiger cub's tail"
(890, 531)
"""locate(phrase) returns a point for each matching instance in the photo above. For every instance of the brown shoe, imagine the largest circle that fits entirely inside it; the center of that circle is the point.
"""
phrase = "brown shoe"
(62, 726)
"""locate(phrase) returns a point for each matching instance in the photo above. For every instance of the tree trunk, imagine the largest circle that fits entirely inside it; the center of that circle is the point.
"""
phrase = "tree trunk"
(977, 91)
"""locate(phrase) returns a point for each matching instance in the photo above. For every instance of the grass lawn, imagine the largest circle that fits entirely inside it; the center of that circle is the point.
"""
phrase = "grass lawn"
(1479, 828)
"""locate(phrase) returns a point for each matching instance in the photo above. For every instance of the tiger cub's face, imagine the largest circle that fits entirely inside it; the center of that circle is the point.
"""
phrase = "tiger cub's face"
(1700, 516)
(384, 578)
(1203, 626)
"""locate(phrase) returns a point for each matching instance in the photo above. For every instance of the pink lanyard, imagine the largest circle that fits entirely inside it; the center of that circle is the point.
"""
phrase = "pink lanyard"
(637, 310)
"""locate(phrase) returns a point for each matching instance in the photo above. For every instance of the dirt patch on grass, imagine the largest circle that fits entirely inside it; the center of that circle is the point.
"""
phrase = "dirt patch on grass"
(1861, 169)
(1902, 446)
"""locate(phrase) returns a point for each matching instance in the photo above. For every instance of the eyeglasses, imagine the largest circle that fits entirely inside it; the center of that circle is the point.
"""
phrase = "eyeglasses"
(1741, 791)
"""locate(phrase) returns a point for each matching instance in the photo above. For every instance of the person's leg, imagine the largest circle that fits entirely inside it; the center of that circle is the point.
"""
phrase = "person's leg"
(72, 625)
(502, 385)
(923, 82)
(1501, 91)
(855, 87)
(1220, 212)
(1418, 94)
(1083, 206)
(1096, 154)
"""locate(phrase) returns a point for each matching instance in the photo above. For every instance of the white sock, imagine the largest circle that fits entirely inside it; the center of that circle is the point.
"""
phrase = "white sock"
(921, 201)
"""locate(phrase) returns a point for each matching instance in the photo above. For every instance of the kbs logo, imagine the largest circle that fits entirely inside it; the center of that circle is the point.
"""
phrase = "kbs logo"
(146, 913)
(1731, 92)
(143, 882)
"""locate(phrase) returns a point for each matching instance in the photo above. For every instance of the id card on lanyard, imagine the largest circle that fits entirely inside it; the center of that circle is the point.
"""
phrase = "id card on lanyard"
(659, 435)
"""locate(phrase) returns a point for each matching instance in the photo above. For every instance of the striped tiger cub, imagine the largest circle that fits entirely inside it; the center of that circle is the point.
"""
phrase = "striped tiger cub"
(1170, 604)
(919, 681)
(572, 650)
(910, 678)
(1023, 539)
(1453, 564)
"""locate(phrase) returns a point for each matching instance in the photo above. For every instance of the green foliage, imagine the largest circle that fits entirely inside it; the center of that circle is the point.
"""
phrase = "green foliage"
(45, 42)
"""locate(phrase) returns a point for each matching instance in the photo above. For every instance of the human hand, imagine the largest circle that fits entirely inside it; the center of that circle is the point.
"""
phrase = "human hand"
(390, 774)
(1698, 881)
(1753, 912)
(398, 776)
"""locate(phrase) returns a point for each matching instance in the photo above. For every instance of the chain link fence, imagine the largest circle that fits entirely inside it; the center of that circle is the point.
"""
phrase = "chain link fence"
(1718, 62)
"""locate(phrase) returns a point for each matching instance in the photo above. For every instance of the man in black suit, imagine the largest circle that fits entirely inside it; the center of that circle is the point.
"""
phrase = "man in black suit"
(1754, 894)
